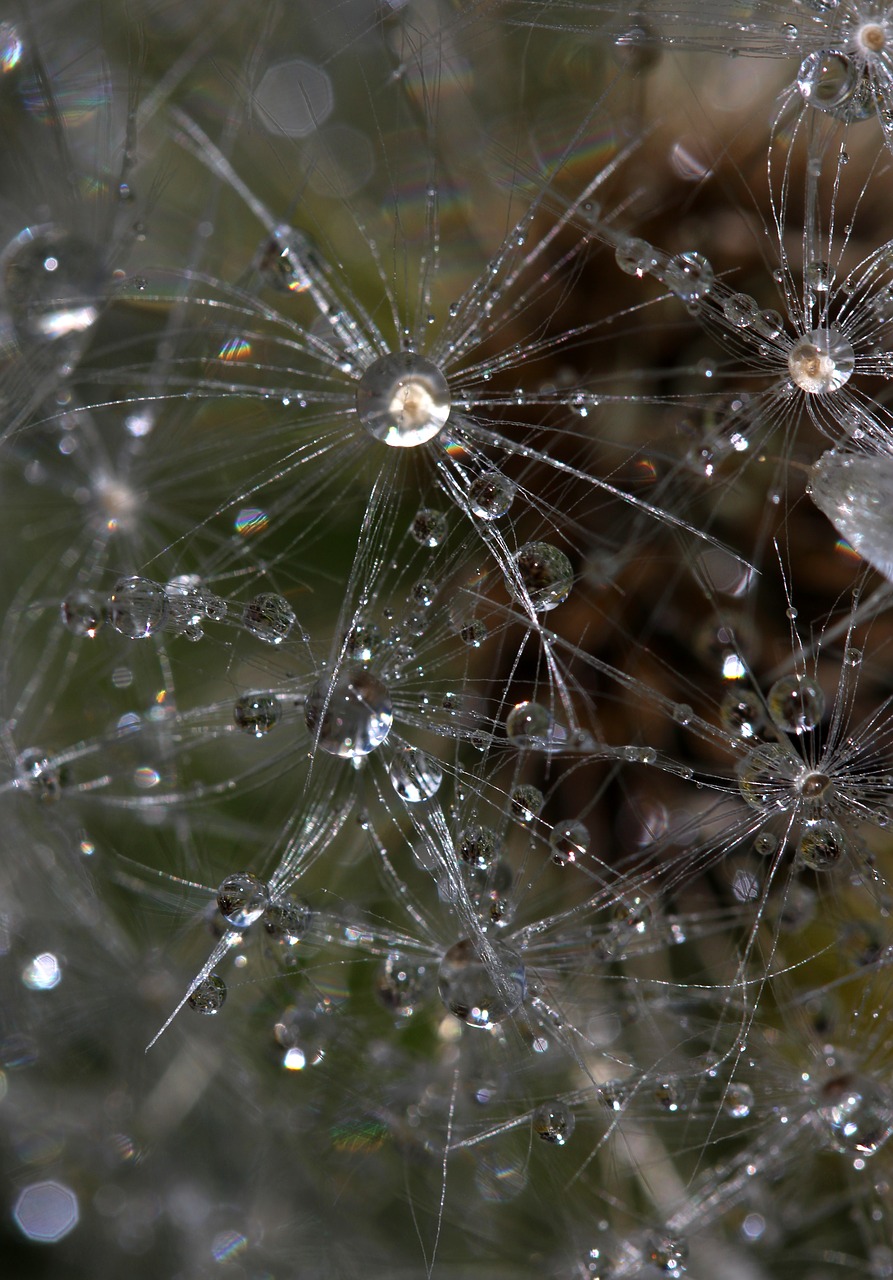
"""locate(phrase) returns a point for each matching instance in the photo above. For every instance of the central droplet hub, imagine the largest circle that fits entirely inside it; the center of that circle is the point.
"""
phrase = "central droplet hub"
(822, 361)
(403, 399)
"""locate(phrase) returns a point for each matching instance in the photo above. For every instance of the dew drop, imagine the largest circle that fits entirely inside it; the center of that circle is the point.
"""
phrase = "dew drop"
(856, 1113)
(491, 495)
(856, 494)
(363, 641)
(738, 1101)
(526, 803)
(478, 846)
(823, 845)
(742, 713)
(287, 920)
(401, 984)
(569, 842)
(690, 276)
(554, 1122)
(471, 992)
(429, 527)
(350, 715)
(269, 617)
(82, 614)
(822, 361)
(209, 996)
(256, 713)
(403, 399)
(414, 775)
(767, 776)
(528, 723)
(53, 284)
(242, 898)
(667, 1253)
(827, 80)
(795, 704)
(137, 607)
(546, 576)
(473, 633)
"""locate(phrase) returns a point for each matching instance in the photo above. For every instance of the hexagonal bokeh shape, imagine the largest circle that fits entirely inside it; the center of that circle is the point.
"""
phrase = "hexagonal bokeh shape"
(46, 1211)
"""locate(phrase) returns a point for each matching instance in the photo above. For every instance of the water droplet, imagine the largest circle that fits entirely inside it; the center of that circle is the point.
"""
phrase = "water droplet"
(528, 723)
(491, 495)
(137, 607)
(53, 284)
(478, 847)
(82, 614)
(288, 261)
(765, 844)
(855, 492)
(668, 1253)
(738, 1101)
(546, 575)
(767, 776)
(741, 310)
(527, 803)
(403, 399)
(823, 845)
(287, 920)
(429, 528)
(424, 593)
(242, 899)
(690, 276)
(472, 992)
(362, 641)
(351, 715)
(635, 257)
(569, 842)
(670, 1095)
(856, 1113)
(414, 775)
(554, 1122)
(742, 713)
(822, 361)
(401, 984)
(256, 713)
(614, 1094)
(795, 704)
(828, 80)
(683, 713)
(473, 633)
(269, 617)
(209, 996)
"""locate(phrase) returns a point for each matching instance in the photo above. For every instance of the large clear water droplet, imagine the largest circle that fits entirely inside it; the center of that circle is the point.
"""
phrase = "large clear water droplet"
(472, 992)
(827, 79)
(569, 841)
(402, 984)
(554, 1122)
(53, 283)
(403, 399)
(350, 715)
(856, 494)
(856, 1113)
(528, 723)
(256, 713)
(137, 607)
(414, 775)
(242, 898)
(269, 617)
(491, 495)
(546, 575)
(822, 361)
(795, 704)
(209, 996)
